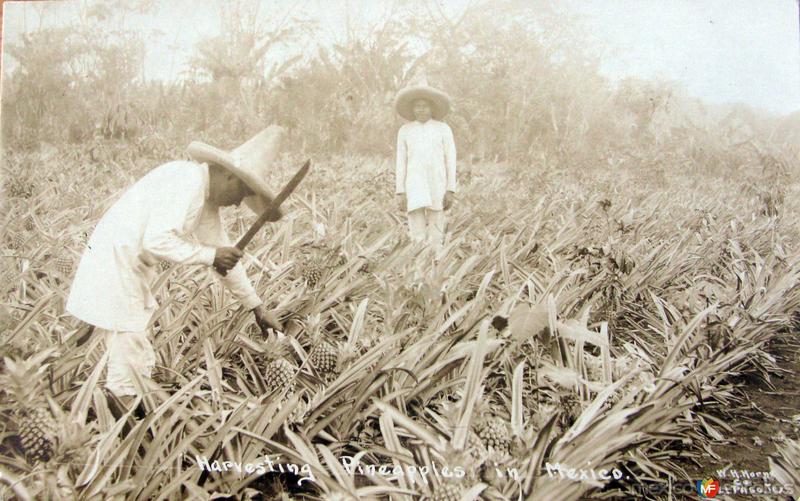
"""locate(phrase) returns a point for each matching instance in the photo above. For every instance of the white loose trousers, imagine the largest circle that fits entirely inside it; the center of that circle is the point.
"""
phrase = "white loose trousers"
(427, 226)
(128, 353)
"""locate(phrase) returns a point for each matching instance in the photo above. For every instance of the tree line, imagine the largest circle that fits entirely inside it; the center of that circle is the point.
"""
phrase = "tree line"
(525, 88)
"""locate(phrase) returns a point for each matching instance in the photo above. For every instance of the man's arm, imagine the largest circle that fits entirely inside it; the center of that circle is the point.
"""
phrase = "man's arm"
(163, 236)
(401, 167)
(450, 158)
(211, 232)
(401, 164)
(238, 283)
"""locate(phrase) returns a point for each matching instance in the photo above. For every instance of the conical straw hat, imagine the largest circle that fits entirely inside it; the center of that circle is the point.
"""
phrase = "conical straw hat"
(250, 162)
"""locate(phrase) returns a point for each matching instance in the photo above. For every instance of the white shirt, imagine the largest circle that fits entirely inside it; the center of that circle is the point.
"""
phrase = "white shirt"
(164, 216)
(426, 163)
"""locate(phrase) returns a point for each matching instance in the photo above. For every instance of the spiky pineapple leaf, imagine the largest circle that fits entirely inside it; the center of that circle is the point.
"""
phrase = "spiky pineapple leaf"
(80, 407)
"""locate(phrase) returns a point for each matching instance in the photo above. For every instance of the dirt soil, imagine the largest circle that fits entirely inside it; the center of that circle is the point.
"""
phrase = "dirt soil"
(766, 416)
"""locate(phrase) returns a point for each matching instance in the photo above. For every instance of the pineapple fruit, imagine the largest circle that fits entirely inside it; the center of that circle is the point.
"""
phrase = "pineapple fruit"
(311, 272)
(64, 265)
(7, 278)
(493, 431)
(38, 431)
(453, 487)
(22, 380)
(475, 446)
(494, 434)
(324, 357)
(278, 374)
(20, 188)
(278, 371)
(18, 241)
(447, 491)
(571, 409)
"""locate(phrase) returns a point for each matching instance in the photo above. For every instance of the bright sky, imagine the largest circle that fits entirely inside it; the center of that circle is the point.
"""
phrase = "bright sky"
(721, 51)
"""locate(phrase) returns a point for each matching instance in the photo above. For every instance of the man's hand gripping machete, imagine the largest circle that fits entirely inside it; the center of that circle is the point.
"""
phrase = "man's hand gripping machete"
(262, 219)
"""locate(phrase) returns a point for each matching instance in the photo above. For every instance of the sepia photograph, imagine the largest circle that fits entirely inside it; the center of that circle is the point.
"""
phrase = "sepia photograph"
(441, 250)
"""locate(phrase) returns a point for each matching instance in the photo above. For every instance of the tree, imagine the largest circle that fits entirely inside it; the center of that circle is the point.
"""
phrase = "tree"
(70, 76)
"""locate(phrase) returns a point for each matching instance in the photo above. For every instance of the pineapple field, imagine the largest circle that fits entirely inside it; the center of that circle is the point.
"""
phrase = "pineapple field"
(598, 320)
(613, 315)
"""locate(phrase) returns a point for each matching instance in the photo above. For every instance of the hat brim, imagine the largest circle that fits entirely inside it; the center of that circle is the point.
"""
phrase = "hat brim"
(262, 197)
(404, 103)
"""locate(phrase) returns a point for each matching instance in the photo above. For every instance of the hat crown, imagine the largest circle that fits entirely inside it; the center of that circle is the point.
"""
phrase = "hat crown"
(258, 153)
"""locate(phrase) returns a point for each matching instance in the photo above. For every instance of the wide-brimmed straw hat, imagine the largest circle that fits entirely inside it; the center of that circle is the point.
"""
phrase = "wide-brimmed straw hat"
(404, 102)
(250, 162)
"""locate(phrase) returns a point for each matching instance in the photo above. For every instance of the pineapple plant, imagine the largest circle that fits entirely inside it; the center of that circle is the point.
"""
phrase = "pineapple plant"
(37, 430)
(278, 371)
(17, 241)
(278, 374)
(22, 380)
(785, 463)
(493, 431)
(324, 357)
(7, 278)
(64, 265)
(622, 262)
(571, 407)
(19, 188)
(475, 446)
(311, 272)
(455, 486)
(494, 434)
(447, 491)
(622, 366)
(8, 349)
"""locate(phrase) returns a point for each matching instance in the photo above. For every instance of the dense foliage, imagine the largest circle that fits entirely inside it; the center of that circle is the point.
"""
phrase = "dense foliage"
(523, 90)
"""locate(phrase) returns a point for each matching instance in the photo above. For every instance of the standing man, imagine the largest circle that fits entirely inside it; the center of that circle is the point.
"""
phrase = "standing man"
(426, 162)
(171, 214)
